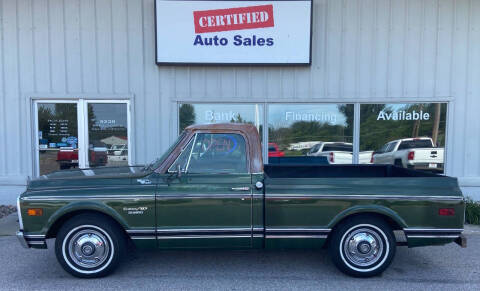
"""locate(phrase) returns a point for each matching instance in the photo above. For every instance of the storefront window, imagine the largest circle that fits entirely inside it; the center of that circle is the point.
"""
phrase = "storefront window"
(311, 130)
(107, 134)
(98, 139)
(57, 136)
(406, 135)
(190, 114)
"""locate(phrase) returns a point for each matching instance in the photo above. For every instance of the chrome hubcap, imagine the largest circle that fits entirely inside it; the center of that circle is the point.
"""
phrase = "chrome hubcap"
(363, 247)
(89, 248)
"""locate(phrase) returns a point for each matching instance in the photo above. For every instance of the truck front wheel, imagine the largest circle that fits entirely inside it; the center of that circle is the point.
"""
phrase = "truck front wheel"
(89, 246)
(362, 246)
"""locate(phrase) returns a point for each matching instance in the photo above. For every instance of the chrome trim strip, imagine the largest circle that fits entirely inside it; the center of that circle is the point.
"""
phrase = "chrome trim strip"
(240, 188)
(19, 213)
(432, 236)
(160, 197)
(366, 197)
(37, 243)
(34, 236)
(203, 196)
(203, 230)
(89, 188)
(134, 231)
(143, 237)
(297, 229)
(204, 236)
(106, 197)
(258, 236)
(296, 236)
(433, 229)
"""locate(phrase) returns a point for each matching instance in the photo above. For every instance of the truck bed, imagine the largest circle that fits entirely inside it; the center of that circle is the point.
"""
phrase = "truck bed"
(341, 171)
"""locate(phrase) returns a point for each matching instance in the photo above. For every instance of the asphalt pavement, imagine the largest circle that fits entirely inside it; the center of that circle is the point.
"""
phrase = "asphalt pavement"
(429, 268)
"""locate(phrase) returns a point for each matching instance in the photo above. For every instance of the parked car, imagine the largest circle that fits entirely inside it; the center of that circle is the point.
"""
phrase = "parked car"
(212, 190)
(116, 149)
(412, 153)
(118, 153)
(336, 152)
(67, 157)
(274, 151)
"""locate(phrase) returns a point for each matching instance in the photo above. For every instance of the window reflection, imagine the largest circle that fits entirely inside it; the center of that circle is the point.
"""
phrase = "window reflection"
(107, 134)
(320, 132)
(190, 114)
(57, 136)
(406, 135)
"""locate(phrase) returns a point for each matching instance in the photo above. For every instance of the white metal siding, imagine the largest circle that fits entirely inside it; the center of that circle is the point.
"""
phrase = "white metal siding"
(363, 50)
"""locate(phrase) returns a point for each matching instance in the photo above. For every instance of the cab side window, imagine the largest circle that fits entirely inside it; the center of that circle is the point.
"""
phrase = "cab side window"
(213, 153)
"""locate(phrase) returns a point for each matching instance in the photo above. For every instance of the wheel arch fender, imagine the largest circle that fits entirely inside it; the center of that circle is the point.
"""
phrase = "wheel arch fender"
(64, 213)
(391, 216)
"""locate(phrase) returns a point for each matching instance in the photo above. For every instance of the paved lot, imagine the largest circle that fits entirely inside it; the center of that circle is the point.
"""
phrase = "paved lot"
(432, 268)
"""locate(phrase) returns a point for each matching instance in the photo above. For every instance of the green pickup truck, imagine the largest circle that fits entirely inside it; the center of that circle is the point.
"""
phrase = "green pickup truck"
(212, 190)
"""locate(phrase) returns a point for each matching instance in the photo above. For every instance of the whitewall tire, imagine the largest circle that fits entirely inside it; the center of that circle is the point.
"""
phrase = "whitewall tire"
(362, 246)
(89, 245)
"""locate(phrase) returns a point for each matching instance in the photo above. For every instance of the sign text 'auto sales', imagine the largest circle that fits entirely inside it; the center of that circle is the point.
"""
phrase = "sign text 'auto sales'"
(233, 32)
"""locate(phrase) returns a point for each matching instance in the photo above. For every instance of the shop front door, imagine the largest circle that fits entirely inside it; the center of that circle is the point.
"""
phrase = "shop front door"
(81, 134)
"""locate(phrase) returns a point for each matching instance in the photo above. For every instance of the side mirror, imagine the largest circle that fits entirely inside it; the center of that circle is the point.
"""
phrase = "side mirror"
(179, 171)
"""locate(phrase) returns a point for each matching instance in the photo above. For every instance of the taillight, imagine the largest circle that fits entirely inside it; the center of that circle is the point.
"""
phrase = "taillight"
(411, 156)
(371, 159)
(446, 212)
(332, 158)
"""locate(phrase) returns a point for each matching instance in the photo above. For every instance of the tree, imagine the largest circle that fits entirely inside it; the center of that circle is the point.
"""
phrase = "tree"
(186, 115)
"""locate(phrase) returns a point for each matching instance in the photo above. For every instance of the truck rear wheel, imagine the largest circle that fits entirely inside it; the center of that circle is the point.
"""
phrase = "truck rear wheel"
(89, 246)
(362, 246)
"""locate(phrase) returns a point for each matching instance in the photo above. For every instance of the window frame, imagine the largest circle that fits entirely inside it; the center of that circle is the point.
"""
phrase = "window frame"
(449, 101)
(194, 136)
(82, 125)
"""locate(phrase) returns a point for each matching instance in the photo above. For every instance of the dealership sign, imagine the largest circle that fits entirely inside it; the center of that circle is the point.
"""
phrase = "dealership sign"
(233, 32)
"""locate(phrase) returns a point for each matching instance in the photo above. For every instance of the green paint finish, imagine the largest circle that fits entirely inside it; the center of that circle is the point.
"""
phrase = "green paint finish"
(229, 211)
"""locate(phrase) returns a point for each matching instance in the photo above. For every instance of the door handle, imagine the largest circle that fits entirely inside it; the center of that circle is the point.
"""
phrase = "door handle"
(240, 188)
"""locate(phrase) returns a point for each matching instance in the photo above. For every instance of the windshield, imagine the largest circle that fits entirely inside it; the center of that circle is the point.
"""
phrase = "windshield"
(156, 163)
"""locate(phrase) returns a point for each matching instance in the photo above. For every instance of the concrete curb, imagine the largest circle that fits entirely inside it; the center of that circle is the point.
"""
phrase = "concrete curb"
(472, 229)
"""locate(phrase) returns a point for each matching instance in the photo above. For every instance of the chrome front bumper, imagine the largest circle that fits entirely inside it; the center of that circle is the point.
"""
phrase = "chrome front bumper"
(22, 240)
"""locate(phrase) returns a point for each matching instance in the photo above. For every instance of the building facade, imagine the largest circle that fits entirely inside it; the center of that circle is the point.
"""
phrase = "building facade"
(80, 87)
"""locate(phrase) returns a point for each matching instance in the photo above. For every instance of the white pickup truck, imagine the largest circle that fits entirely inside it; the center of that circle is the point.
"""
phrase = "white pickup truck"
(338, 153)
(335, 152)
(413, 153)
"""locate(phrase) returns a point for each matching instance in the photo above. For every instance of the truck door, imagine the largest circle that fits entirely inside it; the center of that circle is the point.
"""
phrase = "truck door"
(207, 199)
